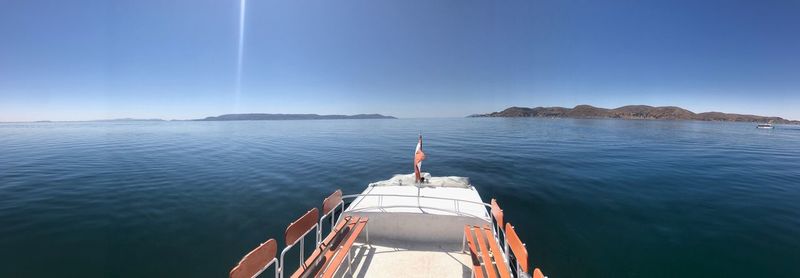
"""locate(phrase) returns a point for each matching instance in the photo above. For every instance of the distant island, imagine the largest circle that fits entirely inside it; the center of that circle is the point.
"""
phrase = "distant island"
(95, 121)
(275, 117)
(128, 120)
(644, 112)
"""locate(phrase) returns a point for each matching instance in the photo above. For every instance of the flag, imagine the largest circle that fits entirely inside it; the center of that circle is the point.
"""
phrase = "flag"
(419, 156)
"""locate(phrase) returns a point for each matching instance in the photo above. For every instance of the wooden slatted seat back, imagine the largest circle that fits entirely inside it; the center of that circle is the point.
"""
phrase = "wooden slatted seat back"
(331, 202)
(301, 226)
(297, 231)
(517, 247)
(497, 213)
(256, 261)
(329, 205)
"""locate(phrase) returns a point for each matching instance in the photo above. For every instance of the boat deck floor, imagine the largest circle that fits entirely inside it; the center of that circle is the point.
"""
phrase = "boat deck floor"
(403, 259)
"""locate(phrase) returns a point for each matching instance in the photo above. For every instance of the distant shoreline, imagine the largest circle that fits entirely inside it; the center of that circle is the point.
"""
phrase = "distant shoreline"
(235, 117)
(631, 112)
(283, 117)
(89, 121)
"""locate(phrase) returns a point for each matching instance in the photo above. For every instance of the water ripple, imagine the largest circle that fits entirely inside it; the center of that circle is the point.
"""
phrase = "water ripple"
(604, 198)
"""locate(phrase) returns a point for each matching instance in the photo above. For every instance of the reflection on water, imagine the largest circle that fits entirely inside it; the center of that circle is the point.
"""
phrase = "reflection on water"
(601, 198)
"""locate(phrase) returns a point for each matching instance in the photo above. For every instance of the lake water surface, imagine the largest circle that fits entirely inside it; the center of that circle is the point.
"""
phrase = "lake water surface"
(591, 198)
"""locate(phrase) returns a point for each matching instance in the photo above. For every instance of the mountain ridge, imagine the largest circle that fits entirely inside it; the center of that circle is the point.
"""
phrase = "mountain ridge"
(631, 112)
(279, 117)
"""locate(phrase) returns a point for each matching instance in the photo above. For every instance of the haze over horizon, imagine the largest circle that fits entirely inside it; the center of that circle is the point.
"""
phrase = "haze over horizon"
(94, 59)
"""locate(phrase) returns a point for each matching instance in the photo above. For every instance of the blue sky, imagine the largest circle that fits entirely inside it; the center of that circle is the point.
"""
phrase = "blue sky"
(79, 60)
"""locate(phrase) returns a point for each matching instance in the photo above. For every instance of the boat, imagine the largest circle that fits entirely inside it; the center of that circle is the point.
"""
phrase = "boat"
(765, 126)
(411, 225)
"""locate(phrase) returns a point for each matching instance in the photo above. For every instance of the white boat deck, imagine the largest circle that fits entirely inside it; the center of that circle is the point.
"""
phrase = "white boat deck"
(450, 201)
(406, 260)
(415, 230)
(434, 212)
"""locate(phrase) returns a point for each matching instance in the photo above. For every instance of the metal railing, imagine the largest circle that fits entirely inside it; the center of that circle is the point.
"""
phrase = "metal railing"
(456, 203)
(352, 196)
(496, 231)
(279, 264)
(302, 240)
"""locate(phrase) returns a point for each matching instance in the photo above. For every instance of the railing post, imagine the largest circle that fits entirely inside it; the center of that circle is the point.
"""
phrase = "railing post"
(505, 250)
(302, 249)
(464, 243)
(318, 237)
(340, 214)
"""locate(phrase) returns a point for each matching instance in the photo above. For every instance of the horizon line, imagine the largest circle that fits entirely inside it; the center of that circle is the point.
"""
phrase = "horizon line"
(415, 117)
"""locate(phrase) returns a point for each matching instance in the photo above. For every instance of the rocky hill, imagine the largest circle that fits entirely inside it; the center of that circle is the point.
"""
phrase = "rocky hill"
(631, 112)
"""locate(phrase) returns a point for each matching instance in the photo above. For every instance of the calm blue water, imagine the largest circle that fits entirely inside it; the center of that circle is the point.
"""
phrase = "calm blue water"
(600, 198)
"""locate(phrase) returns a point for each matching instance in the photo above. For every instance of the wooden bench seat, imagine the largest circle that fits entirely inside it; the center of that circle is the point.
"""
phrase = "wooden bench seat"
(330, 254)
(356, 225)
(487, 257)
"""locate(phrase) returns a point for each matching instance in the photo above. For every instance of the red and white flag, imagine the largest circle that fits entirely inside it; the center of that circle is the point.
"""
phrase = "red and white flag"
(419, 156)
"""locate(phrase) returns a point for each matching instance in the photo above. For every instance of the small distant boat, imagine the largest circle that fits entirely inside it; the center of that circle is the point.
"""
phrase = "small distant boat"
(765, 126)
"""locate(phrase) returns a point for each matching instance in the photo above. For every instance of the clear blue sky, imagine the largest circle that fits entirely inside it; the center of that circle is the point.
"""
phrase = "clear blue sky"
(77, 60)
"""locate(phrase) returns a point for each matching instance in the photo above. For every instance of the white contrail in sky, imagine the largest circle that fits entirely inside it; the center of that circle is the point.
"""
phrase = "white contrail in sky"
(242, 5)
